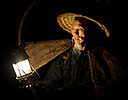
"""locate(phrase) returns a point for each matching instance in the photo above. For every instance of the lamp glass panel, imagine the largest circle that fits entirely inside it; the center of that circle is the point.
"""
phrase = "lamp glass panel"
(22, 68)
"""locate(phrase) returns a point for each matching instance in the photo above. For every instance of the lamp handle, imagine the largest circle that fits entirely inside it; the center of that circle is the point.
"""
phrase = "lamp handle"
(22, 21)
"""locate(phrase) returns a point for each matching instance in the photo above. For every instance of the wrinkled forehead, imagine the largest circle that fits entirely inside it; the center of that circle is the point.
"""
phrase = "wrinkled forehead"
(80, 22)
(76, 23)
(80, 19)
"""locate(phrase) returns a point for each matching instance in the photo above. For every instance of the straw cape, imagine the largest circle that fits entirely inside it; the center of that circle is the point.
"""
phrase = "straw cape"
(41, 52)
(65, 21)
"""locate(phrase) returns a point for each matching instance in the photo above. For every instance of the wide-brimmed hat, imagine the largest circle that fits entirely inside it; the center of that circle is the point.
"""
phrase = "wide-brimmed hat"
(65, 21)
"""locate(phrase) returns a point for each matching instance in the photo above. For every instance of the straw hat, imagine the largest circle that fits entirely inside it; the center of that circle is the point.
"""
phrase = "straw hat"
(65, 21)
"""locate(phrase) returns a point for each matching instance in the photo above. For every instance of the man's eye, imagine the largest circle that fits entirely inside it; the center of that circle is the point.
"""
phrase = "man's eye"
(80, 29)
(72, 28)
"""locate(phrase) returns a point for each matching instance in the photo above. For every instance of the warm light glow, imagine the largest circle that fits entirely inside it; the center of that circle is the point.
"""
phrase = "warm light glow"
(22, 68)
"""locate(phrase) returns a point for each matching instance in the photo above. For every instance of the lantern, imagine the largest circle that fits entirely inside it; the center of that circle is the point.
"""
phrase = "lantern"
(21, 64)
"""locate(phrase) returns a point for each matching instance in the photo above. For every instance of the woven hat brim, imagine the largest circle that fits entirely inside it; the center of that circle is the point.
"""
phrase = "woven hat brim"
(65, 21)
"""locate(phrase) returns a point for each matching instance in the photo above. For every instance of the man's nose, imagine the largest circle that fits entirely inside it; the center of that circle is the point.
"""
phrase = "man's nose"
(76, 32)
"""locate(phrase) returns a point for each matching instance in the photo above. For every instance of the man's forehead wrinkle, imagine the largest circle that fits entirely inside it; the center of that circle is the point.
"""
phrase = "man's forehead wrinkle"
(76, 23)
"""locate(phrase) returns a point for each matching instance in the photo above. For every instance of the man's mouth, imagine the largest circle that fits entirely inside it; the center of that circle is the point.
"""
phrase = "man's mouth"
(78, 39)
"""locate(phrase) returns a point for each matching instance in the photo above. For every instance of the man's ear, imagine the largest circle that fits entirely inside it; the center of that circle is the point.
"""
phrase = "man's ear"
(72, 40)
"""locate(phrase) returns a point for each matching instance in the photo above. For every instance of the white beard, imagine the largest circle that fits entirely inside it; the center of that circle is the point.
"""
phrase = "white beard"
(76, 49)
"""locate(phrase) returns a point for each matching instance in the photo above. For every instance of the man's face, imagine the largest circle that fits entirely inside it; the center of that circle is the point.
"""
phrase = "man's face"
(78, 31)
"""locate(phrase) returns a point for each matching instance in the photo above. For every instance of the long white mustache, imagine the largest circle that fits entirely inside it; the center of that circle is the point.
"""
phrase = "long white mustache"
(78, 38)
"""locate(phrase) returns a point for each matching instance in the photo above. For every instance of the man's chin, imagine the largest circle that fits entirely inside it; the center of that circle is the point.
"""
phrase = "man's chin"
(78, 42)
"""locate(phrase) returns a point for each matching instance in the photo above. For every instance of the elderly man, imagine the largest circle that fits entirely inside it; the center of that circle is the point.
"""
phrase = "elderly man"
(85, 69)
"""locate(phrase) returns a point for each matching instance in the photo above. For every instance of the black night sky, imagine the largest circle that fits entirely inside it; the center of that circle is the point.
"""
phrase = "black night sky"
(40, 24)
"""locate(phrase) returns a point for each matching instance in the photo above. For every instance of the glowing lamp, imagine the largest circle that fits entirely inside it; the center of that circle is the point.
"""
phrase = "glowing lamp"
(21, 64)
(22, 68)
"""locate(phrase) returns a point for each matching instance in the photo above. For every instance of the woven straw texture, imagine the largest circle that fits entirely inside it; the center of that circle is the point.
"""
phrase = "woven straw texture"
(65, 21)
(40, 53)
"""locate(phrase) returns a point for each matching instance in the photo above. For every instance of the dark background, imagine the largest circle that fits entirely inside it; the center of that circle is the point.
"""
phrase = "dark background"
(40, 24)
